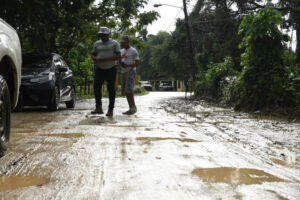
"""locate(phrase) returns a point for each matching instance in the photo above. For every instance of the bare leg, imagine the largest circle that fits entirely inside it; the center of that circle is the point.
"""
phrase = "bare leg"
(130, 100)
(131, 103)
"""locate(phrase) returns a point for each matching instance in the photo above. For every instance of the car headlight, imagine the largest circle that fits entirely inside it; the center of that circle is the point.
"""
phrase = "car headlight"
(44, 77)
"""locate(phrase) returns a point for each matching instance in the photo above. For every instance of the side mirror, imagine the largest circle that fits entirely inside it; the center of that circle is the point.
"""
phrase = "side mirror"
(62, 69)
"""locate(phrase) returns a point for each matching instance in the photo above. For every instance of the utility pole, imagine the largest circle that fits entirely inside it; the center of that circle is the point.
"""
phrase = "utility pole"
(190, 44)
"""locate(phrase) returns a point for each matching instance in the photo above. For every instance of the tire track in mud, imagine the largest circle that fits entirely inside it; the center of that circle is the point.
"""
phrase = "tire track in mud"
(252, 144)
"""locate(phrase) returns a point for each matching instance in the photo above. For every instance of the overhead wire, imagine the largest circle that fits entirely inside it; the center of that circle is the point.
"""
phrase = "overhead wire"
(174, 19)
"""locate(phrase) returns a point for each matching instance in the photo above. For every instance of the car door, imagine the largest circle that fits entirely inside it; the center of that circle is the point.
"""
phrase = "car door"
(58, 75)
(66, 82)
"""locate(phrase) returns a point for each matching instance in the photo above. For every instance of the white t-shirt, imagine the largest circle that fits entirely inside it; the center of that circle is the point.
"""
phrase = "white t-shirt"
(129, 56)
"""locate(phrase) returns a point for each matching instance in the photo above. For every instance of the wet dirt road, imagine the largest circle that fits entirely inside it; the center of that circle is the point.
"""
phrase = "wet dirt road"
(171, 149)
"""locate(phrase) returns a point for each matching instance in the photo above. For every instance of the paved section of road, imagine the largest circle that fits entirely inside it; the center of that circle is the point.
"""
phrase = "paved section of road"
(171, 149)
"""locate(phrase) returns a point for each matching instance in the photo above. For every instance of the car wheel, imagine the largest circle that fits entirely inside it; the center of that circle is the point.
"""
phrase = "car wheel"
(71, 104)
(54, 102)
(4, 115)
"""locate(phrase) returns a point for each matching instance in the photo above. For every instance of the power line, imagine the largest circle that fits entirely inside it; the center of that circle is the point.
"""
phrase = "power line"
(174, 19)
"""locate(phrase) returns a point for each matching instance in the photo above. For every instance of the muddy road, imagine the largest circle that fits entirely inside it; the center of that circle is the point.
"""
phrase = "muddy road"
(171, 149)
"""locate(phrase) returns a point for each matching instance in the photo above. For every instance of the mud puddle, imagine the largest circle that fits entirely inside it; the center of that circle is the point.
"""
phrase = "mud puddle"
(15, 182)
(285, 163)
(65, 135)
(147, 140)
(235, 175)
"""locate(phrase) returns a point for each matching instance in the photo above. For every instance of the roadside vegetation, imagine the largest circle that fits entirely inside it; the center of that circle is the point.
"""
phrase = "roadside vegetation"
(244, 58)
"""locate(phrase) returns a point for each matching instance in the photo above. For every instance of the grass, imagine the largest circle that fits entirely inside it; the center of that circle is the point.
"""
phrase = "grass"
(138, 91)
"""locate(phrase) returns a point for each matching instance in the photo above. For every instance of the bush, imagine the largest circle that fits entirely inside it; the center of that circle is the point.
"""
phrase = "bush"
(209, 83)
(232, 89)
(265, 76)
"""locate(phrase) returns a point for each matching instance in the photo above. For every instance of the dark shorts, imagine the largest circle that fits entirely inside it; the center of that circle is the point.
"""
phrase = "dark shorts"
(128, 80)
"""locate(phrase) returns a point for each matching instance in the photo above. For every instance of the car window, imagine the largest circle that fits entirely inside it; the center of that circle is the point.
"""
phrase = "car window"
(64, 64)
(57, 62)
(37, 61)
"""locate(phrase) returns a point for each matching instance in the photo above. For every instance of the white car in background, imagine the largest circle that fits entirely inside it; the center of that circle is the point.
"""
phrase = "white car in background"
(10, 77)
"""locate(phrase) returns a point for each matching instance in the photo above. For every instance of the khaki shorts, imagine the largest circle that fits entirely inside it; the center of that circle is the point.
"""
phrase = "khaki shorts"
(128, 80)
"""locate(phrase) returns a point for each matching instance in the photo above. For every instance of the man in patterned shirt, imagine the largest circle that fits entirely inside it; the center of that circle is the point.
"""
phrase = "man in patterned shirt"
(129, 62)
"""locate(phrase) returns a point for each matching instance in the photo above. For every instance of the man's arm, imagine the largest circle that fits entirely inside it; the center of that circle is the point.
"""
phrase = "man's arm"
(114, 58)
(136, 63)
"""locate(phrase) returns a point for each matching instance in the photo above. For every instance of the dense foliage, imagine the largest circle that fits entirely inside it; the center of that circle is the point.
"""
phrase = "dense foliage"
(242, 56)
(70, 27)
(265, 78)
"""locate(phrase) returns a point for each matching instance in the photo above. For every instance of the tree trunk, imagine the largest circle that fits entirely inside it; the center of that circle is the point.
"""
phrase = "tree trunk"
(298, 42)
(85, 85)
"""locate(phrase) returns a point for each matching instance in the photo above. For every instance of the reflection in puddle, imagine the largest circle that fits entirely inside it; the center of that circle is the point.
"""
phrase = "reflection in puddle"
(235, 175)
(147, 140)
(15, 182)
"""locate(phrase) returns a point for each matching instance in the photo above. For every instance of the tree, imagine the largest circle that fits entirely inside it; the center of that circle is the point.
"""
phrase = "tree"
(265, 78)
(70, 27)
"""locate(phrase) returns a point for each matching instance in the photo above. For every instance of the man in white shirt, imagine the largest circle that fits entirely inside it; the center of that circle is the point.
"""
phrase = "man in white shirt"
(129, 62)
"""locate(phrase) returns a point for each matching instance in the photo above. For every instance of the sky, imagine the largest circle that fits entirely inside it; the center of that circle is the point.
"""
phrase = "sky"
(168, 14)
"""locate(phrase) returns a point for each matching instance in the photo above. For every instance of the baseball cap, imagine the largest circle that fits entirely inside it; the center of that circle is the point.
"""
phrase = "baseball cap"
(104, 30)
(125, 39)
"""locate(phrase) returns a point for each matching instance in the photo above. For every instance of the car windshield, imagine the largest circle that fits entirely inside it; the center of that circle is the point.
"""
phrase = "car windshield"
(37, 61)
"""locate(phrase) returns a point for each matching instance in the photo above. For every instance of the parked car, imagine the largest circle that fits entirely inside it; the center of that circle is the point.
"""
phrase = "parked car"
(165, 87)
(10, 76)
(46, 81)
(146, 85)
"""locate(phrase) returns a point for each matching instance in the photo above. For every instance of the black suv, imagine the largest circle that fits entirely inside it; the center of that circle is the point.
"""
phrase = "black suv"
(46, 81)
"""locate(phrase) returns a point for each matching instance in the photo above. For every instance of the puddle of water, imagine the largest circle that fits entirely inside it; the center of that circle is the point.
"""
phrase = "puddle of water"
(269, 118)
(187, 122)
(125, 126)
(204, 113)
(23, 130)
(220, 122)
(147, 140)
(231, 141)
(238, 196)
(223, 111)
(235, 175)
(65, 135)
(15, 182)
(282, 162)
